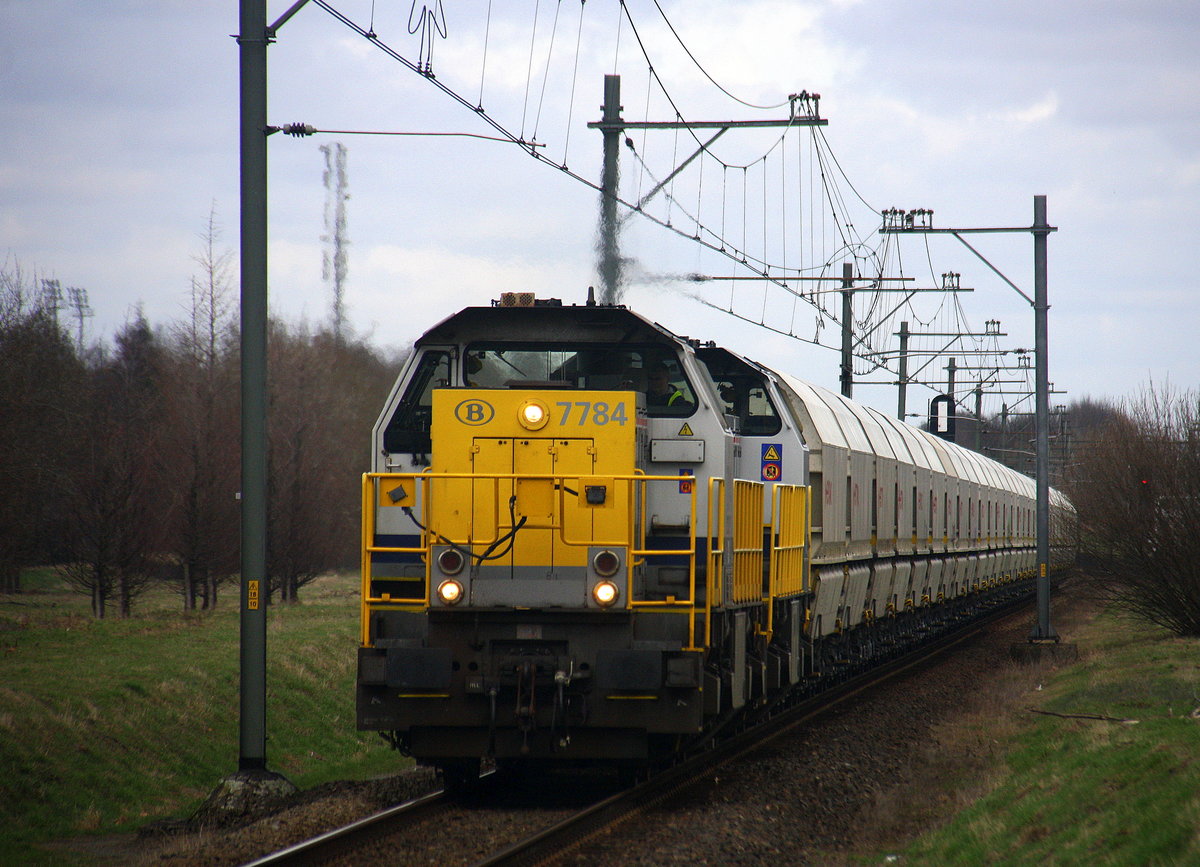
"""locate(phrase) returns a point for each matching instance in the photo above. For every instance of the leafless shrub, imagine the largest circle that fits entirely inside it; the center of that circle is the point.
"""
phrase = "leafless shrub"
(1135, 487)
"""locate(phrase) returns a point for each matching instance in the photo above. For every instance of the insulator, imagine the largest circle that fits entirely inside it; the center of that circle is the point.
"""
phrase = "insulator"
(299, 129)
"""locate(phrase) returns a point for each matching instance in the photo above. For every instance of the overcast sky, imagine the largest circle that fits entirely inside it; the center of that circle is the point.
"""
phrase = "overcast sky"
(119, 129)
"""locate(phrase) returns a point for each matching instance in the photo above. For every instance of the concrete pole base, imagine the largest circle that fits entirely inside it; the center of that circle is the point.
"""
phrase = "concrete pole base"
(242, 797)
(1054, 652)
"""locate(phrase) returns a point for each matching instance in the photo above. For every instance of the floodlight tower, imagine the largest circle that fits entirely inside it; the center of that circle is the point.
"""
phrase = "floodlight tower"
(334, 264)
(82, 310)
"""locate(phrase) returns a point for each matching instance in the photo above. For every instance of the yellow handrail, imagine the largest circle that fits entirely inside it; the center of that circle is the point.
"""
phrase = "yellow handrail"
(788, 549)
(789, 543)
(634, 535)
(747, 540)
(714, 588)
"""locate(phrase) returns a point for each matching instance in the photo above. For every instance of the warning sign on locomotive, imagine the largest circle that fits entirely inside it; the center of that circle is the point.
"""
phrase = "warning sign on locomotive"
(772, 462)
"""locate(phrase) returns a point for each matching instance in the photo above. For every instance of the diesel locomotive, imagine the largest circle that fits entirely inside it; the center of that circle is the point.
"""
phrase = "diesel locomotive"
(586, 539)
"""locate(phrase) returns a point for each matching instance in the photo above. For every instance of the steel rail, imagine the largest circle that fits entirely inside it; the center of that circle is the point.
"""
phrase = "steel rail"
(342, 840)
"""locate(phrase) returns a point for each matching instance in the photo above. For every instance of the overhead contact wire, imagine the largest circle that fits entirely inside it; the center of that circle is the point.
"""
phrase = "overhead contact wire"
(529, 67)
(574, 79)
(546, 75)
(711, 242)
(699, 66)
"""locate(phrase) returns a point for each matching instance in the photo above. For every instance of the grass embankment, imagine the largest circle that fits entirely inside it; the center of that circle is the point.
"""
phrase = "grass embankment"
(108, 725)
(1097, 763)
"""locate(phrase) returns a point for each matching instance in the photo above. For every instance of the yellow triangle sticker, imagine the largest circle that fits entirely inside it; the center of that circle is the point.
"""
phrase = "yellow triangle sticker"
(685, 431)
(771, 454)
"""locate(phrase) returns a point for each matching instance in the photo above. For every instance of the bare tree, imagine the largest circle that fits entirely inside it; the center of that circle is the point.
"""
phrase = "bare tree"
(325, 394)
(200, 420)
(1135, 487)
(111, 495)
(301, 536)
(124, 465)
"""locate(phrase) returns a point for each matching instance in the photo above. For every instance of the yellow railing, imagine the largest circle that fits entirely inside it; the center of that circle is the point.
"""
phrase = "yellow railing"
(747, 541)
(789, 538)
(789, 533)
(377, 493)
(715, 533)
(714, 575)
(790, 508)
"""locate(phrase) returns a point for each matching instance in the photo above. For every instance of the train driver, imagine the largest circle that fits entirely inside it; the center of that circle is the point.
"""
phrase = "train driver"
(661, 392)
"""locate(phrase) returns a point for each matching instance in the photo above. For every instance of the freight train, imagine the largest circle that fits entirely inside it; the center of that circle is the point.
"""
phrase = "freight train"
(589, 540)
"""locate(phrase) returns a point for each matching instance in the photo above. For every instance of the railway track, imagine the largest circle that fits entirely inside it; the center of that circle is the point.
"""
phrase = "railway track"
(351, 843)
(551, 844)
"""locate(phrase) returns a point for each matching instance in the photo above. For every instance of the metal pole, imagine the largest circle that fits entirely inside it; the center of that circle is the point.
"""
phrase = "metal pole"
(252, 42)
(979, 418)
(1041, 229)
(901, 408)
(1004, 428)
(847, 376)
(610, 259)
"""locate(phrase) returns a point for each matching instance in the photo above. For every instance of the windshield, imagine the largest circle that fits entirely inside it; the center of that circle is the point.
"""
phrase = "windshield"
(654, 371)
(746, 397)
(743, 392)
(408, 428)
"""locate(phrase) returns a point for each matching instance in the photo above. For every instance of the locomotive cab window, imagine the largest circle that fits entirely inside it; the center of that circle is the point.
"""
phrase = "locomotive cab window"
(652, 370)
(746, 397)
(743, 392)
(408, 429)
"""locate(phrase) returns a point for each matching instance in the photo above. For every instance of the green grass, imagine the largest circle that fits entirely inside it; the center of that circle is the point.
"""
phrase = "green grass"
(1069, 791)
(108, 725)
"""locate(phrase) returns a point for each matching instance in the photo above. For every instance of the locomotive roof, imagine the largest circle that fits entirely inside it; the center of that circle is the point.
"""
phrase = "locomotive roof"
(585, 324)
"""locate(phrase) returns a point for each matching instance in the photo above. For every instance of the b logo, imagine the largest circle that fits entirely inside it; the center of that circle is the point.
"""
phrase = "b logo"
(474, 412)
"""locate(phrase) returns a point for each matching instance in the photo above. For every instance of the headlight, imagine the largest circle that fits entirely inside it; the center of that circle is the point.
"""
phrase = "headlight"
(605, 593)
(450, 592)
(606, 563)
(451, 561)
(533, 415)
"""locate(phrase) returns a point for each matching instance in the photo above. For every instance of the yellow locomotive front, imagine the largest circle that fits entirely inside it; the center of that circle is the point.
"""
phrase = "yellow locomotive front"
(522, 616)
(537, 494)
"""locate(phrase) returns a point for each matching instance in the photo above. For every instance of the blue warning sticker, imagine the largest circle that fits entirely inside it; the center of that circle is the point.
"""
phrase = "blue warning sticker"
(772, 462)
